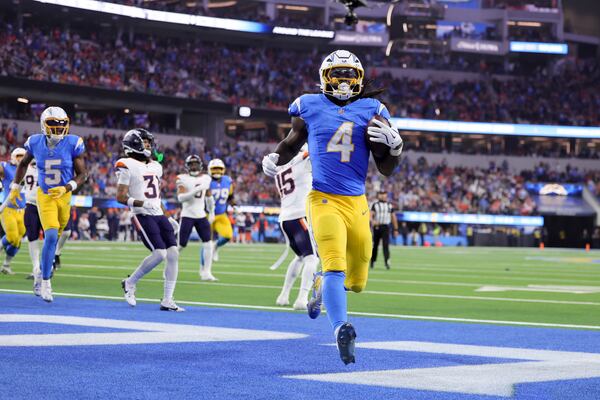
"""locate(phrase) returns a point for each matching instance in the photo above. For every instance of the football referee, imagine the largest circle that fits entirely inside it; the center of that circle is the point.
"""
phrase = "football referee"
(382, 214)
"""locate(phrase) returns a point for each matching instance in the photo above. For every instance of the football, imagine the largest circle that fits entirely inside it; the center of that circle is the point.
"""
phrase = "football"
(378, 149)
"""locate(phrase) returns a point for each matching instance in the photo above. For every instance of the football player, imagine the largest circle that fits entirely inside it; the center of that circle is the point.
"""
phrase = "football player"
(193, 192)
(139, 189)
(61, 170)
(33, 226)
(12, 215)
(221, 188)
(293, 182)
(335, 123)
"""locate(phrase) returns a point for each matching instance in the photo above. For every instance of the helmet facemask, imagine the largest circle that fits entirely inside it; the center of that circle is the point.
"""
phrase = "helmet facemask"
(194, 167)
(342, 81)
(55, 129)
(216, 172)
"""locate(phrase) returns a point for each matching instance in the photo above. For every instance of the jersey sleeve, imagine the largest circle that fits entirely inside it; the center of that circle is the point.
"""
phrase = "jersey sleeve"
(78, 148)
(383, 111)
(179, 181)
(29, 145)
(294, 108)
(123, 173)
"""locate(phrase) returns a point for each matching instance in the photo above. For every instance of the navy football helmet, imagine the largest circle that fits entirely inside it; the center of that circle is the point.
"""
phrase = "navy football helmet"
(193, 164)
(134, 143)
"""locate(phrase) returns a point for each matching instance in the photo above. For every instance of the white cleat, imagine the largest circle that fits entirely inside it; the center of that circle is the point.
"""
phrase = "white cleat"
(37, 285)
(169, 305)
(129, 291)
(207, 276)
(282, 300)
(300, 304)
(46, 291)
(6, 270)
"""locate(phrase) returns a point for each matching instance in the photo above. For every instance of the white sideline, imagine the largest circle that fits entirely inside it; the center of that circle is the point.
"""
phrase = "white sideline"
(366, 314)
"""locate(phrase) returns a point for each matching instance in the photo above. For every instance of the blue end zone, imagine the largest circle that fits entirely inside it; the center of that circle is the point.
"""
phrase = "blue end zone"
(252, 369)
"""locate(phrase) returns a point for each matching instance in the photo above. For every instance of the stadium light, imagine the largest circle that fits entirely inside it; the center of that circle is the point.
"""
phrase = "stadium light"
(23, 100)
(244, 111)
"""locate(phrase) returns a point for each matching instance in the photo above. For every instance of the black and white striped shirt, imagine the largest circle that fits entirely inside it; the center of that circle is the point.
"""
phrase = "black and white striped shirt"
(383, 212)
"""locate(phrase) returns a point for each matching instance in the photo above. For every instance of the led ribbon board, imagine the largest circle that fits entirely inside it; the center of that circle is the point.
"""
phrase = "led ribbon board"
(188, 19)
(474, 219)
(537, 47)
(493, 128)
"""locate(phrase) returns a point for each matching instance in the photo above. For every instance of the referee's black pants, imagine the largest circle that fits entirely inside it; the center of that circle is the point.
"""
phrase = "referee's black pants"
(381, 232)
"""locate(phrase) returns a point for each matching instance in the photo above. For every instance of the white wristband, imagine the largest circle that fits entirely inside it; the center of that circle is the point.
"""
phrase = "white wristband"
(130, 202)
(73, 185)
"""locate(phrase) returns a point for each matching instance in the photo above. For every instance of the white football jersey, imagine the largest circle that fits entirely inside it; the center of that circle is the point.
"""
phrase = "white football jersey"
(294, 181)
(30, 184)
(195, 207)
(143, 180)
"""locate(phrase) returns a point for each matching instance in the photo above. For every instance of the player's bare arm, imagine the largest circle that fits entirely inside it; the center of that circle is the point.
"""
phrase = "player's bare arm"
(81, 174)
(123, 196)
(289, 147)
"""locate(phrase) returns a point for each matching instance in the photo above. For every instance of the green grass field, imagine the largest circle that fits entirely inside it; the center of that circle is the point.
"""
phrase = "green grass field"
(436, 283)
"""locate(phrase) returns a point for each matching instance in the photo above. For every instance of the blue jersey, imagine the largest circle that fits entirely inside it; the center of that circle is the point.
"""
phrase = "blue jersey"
(54, 164)
(9, 176)
(336, 141)
(220, 190)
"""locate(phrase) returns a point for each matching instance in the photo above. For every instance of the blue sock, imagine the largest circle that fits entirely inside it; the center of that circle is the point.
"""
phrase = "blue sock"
(201, 254)
(334, 298)
(222, 241)
(48, 251)
(11, 250)
(5, 243)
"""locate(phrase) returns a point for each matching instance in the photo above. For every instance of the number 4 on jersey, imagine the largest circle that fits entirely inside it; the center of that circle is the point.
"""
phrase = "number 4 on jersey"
(341, 141)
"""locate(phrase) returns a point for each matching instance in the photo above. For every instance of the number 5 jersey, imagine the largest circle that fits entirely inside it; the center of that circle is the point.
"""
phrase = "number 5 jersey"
(143, 180)
(294, 181)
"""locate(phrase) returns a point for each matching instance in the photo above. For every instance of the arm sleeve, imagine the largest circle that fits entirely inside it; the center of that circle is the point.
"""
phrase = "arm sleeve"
(383, 111)
(210, 204)
(79, 148)
(123, 175)
(294, 108)
(187, 196)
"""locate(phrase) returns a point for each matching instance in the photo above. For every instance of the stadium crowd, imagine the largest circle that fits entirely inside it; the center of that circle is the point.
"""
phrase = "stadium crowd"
(569, 94)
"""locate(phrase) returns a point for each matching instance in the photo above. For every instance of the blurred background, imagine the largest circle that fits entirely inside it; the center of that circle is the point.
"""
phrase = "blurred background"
(498, 103)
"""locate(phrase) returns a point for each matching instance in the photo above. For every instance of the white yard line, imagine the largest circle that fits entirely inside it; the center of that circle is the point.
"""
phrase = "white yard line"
(371, 292)
(367, 314)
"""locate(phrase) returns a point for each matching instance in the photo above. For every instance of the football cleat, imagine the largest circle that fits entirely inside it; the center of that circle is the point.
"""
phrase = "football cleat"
(37, 287)
(387, 265)
(282, 300)
(30, 277)
(300, 304)
(129, 291)
(46, 291)
(316, 297)
(56, 264)
(169, 305)
(207, 276)
(345, 342)
(6, 270)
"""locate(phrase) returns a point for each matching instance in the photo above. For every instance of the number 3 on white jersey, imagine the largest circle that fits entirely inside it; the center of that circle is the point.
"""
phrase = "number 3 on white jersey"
(341, 141)
(52, 169)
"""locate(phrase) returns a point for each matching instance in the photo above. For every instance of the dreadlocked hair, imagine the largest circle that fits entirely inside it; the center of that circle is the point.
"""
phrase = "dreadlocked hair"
(367, 92)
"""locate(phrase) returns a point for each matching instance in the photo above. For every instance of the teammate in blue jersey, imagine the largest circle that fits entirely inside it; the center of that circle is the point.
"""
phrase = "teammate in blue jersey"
(13, 214)
(61, 170)
(221, 188)
(334, 123)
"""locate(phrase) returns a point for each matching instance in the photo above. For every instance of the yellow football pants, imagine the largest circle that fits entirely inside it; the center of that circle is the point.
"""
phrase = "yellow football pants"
(340, 227)
(54, 213)
(13, 223)
(222, 226)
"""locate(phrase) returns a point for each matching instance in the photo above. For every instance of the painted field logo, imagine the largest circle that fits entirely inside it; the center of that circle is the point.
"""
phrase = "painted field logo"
(144, 332)
(482, 379)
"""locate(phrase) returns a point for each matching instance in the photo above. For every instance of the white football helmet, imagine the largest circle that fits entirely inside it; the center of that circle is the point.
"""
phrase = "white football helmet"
(216, 168)
(341, 75)
(16, 155)
(55, 124)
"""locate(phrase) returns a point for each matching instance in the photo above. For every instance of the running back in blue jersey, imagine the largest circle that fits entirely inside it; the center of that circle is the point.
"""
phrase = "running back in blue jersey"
(55, 165)
(336, 141)
(9, 175)
(221, 190)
